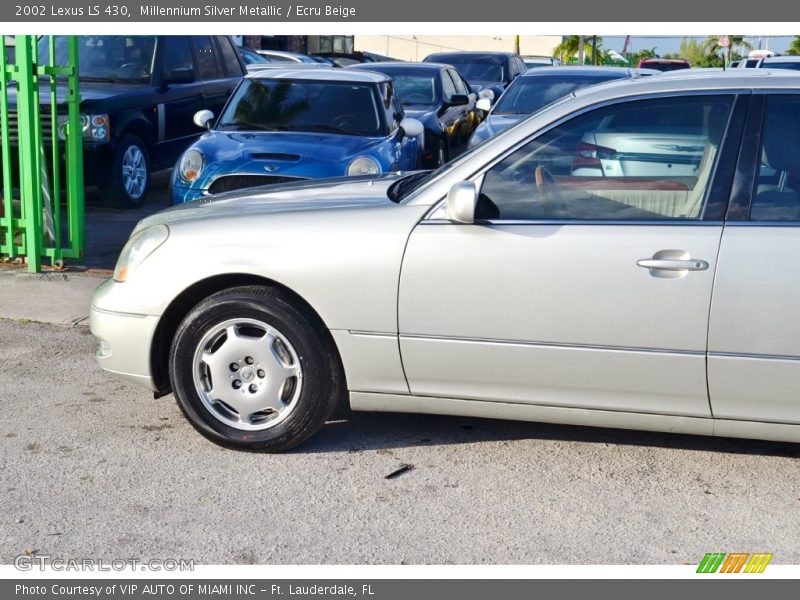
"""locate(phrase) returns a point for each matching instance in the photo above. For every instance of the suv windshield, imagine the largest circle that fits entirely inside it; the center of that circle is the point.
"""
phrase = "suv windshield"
(528, 94)
(298, 105)
(118, 58)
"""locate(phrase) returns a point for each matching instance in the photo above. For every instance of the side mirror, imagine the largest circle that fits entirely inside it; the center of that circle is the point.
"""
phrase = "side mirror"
(461, 202)
(180, 76)
(458, 100)
(486, 93)
(203, 119)
(411, 127)
(484, 104)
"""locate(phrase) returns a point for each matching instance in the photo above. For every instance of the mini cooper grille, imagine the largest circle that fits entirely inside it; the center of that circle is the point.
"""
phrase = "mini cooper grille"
(229, 183)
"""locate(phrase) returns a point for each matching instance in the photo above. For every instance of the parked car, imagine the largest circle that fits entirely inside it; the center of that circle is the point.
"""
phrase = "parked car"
(501, 286)
(294, 124)
(345, 59)
(139, 94)
(281, 56)
(536, 89)
(438, 97)
(533, 61)
(780, 62)
(484, 70)
(664, 64)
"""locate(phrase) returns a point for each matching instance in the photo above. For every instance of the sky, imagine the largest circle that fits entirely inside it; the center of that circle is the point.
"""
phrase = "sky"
(672, 43)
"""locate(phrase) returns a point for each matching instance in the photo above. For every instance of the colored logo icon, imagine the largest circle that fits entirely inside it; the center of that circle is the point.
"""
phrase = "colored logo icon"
(734, 562)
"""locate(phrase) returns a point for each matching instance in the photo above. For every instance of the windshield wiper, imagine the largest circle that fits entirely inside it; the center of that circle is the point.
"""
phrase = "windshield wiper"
(323, 127)
(246, 125)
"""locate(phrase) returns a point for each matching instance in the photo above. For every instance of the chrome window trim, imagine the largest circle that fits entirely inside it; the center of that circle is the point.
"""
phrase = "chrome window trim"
(561, 222)
(762, 223)
(786, 357)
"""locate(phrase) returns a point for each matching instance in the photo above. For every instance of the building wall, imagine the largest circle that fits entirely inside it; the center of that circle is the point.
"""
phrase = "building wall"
(415, 48)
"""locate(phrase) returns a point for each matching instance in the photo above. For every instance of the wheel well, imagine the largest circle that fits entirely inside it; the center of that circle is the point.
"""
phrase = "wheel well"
(141, 129)
(196, 293)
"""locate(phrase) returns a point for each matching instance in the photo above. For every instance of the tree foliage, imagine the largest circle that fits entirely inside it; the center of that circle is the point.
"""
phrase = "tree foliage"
(794, 47)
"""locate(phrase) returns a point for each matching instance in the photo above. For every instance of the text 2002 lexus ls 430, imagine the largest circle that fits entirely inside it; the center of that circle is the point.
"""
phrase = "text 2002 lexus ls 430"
(628, 257)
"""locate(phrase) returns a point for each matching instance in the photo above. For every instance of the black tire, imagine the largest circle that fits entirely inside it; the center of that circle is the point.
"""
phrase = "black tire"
(322, 385)
(114, 194)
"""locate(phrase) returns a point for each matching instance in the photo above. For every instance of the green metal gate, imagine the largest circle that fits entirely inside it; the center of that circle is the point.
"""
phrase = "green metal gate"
(42, 211)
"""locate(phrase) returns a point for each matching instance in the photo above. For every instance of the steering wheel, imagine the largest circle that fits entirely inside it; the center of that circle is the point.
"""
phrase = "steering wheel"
(549, 196)
(417, 98)
(345, 122)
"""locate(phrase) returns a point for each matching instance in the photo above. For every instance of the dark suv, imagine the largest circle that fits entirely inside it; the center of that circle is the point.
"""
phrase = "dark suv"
(484, 70)
(139, 95)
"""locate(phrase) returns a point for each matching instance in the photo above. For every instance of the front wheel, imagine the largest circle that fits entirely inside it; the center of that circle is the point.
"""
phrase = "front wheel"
(130, 174)
(252, 371)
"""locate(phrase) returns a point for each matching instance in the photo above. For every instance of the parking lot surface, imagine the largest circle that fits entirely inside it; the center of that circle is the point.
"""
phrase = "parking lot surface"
(93, 467)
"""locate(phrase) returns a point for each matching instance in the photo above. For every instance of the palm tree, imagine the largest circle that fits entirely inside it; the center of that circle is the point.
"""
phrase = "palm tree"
(711, 45)
(794, 47)
(570, 47)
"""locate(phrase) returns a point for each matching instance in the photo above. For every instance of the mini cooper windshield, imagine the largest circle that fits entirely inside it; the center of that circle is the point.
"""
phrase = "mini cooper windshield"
(296, 105)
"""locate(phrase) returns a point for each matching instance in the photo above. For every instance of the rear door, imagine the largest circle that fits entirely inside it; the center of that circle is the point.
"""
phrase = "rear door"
(754, 331)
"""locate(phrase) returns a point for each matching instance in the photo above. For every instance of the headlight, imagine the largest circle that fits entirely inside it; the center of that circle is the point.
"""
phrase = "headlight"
(95, 128)
(191, 165)
(363, 165)
(139, 247)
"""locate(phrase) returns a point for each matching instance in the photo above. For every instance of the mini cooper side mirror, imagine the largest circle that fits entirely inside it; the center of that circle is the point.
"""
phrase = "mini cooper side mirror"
(411, 127)
(461, 201)
(484, 104)
(203, 119)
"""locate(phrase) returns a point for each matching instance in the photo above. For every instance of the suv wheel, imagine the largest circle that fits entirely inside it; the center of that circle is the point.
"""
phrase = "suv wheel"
(130, 174)
(251, 371)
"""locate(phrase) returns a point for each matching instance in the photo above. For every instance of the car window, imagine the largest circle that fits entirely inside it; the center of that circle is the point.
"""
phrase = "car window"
(776, 195)
(461, 87)
(114, 58)
(639, 160)
(528, 94)
(415, 88)
(229, 58)
(176, 52)
(205, 56)
(390, 105)
(448, 87)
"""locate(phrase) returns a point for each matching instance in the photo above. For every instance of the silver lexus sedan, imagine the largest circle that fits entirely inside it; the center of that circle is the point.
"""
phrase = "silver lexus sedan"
(627, 257)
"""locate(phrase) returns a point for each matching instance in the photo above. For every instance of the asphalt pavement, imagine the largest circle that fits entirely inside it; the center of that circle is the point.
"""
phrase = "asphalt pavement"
(93, 467)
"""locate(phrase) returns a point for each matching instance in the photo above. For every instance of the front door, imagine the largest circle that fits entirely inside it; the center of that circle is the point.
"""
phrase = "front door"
(579, 285)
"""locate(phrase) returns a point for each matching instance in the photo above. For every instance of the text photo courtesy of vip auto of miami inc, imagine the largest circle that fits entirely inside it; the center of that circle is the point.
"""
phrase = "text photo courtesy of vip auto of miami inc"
(329, 313)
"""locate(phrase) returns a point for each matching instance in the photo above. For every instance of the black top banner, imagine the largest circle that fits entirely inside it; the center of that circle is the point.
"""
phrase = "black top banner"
(451, 11)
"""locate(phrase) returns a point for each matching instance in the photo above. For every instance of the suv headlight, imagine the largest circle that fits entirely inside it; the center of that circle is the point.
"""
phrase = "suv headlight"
(94, 128)
(191, 165)
(139, 247)
(363, 165)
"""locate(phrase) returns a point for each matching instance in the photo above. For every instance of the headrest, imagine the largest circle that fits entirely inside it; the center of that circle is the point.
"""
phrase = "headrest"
(782, 137)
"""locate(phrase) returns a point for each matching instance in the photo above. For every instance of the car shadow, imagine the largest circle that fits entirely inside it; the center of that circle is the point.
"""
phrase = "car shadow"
(380, 431)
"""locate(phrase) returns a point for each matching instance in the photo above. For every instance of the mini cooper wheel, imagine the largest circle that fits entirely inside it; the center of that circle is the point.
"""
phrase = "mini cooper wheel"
(251, 371)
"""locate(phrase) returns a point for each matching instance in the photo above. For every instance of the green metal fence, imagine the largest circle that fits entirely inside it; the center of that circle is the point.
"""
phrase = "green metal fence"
(42, 211)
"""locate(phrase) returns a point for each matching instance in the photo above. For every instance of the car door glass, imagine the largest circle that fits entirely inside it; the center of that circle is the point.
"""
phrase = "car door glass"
(448, 87)
(388, 100)
(232, 66)
(776, 194)
(458, 83)
(639, 160)
(177, 53)
(206, 59)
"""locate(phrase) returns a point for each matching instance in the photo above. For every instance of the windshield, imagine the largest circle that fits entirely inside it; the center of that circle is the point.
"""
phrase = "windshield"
(478, 68)
(415, 89)
(117, 58)
(298, 105)
(528, 94)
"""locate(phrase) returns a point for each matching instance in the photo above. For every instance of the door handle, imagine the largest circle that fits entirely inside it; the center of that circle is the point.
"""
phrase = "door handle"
(690, 264)
(672, 264)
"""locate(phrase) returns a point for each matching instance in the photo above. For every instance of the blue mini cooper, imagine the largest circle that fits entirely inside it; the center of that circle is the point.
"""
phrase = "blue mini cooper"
(293, 124)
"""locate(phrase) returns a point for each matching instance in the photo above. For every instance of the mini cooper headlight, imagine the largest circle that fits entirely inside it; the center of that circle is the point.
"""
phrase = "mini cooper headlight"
(139, 247)
(363, 165)
(191, 165)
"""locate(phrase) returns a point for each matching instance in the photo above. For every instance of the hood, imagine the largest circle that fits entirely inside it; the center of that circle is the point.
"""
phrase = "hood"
(278, 152)
(91, 93)
(319, 194)
(420, 112)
